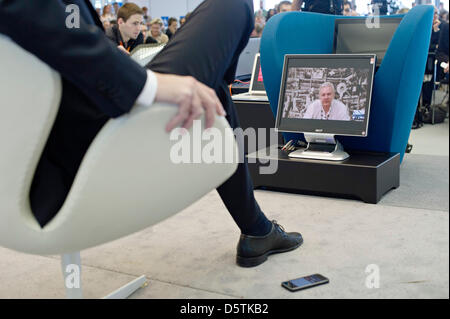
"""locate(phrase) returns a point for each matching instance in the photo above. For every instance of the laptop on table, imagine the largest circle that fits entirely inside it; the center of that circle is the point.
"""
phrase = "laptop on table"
(256, 92)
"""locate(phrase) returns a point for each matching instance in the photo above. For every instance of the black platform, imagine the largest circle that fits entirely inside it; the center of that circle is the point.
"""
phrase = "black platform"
(257, 115)
(366, 176)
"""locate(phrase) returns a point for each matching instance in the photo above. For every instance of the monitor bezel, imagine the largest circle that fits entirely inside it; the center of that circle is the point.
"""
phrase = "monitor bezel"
(255, 75)
(322, 56)
(358, 20)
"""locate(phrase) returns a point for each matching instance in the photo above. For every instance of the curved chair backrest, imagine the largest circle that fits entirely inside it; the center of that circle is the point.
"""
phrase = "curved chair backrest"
(30, 95)
(127, 181)
(397, 83)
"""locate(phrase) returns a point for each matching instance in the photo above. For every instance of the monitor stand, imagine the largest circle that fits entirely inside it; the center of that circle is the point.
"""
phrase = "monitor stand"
(321, 147)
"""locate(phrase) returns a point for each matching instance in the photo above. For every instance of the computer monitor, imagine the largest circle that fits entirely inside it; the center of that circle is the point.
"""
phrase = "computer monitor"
(245, 62)
(352, 35)
(324, 95)
(257, 83)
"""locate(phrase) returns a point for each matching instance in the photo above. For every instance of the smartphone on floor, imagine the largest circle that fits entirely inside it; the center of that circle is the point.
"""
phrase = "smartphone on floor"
(305, 282)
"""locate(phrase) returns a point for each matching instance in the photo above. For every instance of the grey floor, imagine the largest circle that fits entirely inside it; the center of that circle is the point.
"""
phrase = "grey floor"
(191, 255)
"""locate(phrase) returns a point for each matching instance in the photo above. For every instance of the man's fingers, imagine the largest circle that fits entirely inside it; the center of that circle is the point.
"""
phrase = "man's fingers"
(196, 111)
(193, 98)
(218, 105)
(209, 105)
(180, 117)
(214, 99)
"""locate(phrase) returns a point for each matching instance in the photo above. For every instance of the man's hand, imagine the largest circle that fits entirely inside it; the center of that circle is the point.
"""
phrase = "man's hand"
(193, 98)
(121, 48)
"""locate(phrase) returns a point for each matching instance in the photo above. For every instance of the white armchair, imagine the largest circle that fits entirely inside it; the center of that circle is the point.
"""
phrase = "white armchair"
(126, 181)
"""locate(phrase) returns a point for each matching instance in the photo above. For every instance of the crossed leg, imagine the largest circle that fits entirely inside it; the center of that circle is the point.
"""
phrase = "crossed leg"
(207, 47)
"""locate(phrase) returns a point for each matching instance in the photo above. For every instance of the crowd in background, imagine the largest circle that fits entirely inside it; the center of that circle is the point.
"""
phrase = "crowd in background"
(438, 49)
(131, 25)
(346, 9)
(152, 30)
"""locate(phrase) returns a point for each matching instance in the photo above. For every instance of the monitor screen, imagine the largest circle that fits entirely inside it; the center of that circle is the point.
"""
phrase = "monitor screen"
(326, 93)
(257, 84)
(354, 36)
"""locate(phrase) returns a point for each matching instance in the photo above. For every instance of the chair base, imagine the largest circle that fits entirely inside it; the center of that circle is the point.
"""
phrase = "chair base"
(128, 289)
(71, 267)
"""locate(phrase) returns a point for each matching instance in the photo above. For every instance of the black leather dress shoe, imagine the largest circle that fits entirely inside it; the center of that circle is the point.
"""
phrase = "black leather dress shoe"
(254, 250)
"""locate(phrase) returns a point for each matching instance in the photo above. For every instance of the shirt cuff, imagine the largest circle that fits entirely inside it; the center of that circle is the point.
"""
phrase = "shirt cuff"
(148, 94)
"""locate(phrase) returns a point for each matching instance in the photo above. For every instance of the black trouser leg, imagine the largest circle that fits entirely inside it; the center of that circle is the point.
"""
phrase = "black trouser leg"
(237, 192)
(207, 47)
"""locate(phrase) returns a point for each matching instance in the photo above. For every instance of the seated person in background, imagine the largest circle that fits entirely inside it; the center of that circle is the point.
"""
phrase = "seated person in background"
(427, 87)
(116, 8)
(257, 31)
(107, 14)
(144, 31)
(127, 34)
(435, 32)
(348, 10)
(284, 6)
(183, 20)
(173, 26)
(271, 13)
(156, 35)
(442, 50)
(106, 24)
(443, 16)
(146, 16)
(327, 108)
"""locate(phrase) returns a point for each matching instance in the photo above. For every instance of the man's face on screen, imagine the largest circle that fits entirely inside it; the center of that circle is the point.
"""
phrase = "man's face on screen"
(132, 27)
(326, 96)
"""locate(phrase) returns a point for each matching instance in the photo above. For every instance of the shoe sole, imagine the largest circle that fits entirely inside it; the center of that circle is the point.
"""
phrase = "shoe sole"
(256, 261)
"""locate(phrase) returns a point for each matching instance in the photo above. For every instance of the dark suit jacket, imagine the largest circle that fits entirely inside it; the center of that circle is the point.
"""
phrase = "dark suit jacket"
(95, 87)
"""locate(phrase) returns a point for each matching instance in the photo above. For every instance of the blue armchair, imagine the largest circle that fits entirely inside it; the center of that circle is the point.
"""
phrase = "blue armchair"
(397, 83)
